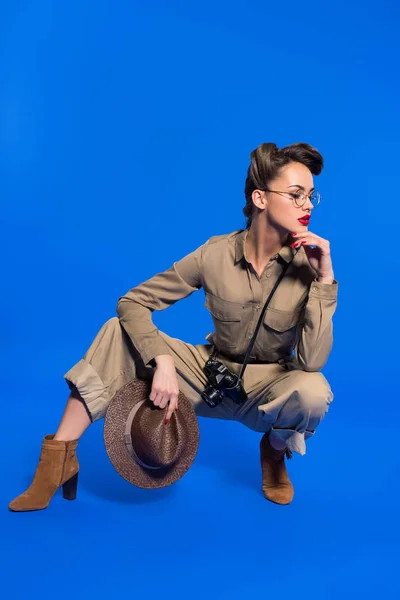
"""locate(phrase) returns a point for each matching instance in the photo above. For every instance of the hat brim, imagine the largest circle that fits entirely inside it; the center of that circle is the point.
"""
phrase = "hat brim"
(114, 438)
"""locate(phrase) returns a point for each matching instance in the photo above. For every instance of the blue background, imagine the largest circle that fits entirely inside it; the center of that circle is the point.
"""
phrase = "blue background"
(126, 129)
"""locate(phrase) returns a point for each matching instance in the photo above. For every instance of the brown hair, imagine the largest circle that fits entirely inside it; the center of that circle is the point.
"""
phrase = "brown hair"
(267, 160)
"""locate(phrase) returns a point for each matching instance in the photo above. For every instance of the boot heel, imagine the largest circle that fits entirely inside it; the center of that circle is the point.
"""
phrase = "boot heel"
(69, 488)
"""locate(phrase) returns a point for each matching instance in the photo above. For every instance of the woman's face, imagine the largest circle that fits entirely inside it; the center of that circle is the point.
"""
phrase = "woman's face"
(281, 210)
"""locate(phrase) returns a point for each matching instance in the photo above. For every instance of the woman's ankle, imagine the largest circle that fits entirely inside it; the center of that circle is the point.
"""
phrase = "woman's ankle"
(62, 437)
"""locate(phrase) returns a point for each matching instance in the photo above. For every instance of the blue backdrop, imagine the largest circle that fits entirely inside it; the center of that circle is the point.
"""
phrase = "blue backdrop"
(126, 129)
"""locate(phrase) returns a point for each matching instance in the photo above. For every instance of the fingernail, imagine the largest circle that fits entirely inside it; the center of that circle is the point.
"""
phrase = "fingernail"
(304, 242)
(292, 245)
(166, 421)
(294, 234)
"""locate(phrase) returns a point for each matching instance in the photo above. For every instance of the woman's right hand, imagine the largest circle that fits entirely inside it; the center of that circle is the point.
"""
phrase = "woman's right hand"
(165, 389)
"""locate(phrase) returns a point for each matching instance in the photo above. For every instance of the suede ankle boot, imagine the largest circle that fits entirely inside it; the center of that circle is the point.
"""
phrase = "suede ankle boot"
(58, 466)
(276, 485)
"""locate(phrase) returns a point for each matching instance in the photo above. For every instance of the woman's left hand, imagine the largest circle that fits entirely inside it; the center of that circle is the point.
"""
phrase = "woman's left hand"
(318, 253)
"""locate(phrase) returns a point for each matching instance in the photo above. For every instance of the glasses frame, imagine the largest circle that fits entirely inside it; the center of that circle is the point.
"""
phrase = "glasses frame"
(305, 196)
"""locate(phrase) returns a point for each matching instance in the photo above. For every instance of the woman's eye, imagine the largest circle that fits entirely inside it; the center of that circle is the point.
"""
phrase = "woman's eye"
(296, 196)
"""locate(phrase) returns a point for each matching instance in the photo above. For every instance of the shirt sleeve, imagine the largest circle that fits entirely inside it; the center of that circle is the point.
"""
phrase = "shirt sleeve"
(135, 308)
(316, 335)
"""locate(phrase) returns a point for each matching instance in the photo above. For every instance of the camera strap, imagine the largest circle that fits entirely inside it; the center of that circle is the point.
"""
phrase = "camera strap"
(260, 320)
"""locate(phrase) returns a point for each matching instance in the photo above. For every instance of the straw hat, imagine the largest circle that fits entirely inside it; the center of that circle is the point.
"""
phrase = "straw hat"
(142, 448)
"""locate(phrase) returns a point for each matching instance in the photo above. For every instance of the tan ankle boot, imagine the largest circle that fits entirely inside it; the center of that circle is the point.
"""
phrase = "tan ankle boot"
(276, 484)
(58, 466)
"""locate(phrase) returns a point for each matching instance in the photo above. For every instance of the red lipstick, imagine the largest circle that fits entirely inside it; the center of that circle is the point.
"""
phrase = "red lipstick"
(305, 220)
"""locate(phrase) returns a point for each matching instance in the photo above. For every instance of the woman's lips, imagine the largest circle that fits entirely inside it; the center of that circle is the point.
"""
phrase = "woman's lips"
(304, 220)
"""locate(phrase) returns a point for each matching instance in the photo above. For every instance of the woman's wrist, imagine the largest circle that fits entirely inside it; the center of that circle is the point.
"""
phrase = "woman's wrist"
(326, 279)
(163, 359)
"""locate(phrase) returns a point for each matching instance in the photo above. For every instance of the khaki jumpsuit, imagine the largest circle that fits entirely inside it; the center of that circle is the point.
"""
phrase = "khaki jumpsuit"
(286, 392)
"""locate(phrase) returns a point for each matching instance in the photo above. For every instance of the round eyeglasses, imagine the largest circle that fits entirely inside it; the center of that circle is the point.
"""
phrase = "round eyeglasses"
(300, 198)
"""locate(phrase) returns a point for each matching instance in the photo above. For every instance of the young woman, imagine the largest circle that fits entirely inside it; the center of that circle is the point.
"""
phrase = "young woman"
(287, 396)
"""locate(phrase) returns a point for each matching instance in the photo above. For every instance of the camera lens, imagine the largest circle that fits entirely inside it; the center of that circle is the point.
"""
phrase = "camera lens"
(212, 396)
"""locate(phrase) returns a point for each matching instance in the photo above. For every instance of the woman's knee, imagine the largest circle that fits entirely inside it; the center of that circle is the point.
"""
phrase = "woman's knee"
(313, 392)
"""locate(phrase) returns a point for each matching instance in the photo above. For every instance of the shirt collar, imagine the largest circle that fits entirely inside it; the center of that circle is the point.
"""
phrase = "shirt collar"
(286, 252)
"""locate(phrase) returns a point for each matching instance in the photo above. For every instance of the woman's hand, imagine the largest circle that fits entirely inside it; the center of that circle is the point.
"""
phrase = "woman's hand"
(165, 387)
(318, 253)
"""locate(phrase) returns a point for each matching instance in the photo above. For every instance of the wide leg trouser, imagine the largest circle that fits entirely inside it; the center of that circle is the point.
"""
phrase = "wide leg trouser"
(283, 398)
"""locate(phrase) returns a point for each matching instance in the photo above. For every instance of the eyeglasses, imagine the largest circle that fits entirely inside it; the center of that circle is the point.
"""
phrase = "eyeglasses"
(300, 198)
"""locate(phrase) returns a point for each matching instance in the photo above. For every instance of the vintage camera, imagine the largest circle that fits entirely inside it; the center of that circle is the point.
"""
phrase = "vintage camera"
(221, 382)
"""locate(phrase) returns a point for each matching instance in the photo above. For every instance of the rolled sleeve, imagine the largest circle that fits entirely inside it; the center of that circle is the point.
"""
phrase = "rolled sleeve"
(316, 335)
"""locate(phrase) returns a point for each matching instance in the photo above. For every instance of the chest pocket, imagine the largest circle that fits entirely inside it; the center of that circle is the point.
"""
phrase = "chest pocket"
(279, 330)
(227, 318)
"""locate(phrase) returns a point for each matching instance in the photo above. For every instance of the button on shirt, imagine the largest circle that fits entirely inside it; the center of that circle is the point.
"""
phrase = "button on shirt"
(298, 320)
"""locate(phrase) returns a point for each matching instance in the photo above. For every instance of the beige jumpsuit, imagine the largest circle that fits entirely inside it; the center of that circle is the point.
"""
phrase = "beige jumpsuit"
(286, 391)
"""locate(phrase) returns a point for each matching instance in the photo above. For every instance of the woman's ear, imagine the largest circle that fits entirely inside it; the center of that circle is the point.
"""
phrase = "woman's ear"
(259, 199)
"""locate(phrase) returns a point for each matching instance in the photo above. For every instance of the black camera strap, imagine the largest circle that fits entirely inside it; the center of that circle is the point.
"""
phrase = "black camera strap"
(260, 320)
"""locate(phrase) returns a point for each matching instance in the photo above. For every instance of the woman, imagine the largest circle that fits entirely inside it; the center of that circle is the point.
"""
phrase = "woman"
(288, 397)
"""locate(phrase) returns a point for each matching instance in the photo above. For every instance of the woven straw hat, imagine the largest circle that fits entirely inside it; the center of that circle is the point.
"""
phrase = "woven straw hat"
(142, 448)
